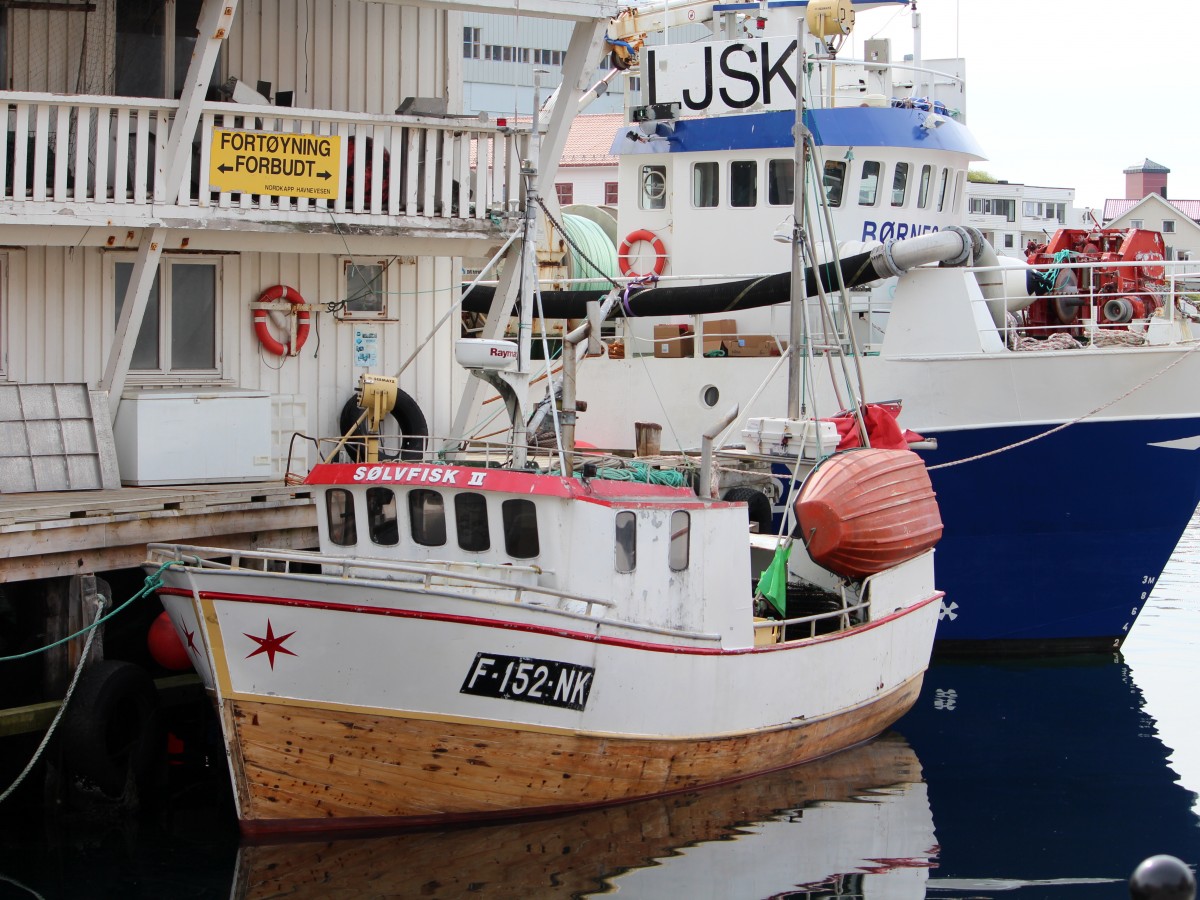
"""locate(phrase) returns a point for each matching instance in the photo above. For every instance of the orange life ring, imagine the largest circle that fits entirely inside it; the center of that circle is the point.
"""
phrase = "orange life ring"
(660, 253)
(291, 295)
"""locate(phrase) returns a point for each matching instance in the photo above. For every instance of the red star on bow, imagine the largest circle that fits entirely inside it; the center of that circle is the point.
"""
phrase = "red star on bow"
(270, 644)
(191, 642)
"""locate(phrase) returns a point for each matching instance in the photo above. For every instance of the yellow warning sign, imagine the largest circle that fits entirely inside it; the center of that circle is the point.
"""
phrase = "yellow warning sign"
(270, 162)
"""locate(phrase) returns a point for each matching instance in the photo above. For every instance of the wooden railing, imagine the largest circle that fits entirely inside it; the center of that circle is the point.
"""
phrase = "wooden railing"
(100, 150)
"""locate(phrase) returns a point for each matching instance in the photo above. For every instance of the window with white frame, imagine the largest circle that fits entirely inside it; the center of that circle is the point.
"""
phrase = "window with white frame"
(179, 331)
(1168, 226)
(1136, 223)
(366, 289)
(472, 41)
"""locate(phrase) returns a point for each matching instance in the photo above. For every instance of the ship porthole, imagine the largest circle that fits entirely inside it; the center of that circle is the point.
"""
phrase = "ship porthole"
(710, 395)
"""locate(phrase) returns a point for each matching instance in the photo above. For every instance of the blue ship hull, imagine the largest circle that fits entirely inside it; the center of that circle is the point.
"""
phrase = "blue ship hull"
(1020, 564)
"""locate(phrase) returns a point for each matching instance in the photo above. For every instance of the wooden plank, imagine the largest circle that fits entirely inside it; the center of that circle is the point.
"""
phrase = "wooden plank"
(296, 763)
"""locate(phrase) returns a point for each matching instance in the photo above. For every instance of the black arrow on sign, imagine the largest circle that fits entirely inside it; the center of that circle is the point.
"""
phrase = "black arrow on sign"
(325, 175)
(224, 168)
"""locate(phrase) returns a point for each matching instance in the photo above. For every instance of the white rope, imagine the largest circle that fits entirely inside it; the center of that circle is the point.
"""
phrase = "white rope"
(1075, 421)
(87, 646)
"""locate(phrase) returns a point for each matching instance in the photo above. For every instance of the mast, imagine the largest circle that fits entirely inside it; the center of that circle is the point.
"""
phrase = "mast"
(799, 200)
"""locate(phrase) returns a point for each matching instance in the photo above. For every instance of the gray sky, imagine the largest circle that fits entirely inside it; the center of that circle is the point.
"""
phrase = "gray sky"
(1068, 93)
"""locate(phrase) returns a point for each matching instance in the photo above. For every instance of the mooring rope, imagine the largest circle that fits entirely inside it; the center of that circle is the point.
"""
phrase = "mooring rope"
(153, 582)
(1075, 421)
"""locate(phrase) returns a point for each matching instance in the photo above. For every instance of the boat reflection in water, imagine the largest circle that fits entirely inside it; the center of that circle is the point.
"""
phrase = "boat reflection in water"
(857, 822)
(1045, 773)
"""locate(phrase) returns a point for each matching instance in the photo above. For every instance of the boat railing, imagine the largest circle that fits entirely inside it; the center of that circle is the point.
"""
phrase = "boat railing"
(843, 614)
(1175, 294)
(541, 455)
(433, 577)
(922, 86)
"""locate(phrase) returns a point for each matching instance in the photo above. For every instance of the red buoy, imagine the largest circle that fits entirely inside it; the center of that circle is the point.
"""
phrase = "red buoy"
(165, 646)
(863, 511)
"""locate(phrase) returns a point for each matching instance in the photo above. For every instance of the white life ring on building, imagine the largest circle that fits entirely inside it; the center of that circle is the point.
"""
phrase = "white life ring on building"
(636, 237)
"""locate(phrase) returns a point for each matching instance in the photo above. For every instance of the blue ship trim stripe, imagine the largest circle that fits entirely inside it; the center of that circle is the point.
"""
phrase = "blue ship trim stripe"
(851, 127)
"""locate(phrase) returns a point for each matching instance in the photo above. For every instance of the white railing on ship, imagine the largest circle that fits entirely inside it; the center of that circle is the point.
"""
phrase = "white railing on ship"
(350, 567)
(102, 149)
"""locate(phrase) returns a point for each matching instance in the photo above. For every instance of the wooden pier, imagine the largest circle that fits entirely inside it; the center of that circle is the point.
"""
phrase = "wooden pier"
(48, 535)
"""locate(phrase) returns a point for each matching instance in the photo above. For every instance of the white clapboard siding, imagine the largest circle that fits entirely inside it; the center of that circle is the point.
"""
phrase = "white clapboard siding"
(61, 311)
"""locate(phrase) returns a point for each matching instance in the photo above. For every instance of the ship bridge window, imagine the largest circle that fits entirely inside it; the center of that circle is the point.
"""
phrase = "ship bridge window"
(706, 184)
(958, 192)
(900, 184)
(427, 517)
(677, 552)
(339, 512)
(654, 187)
(835, 181)
(743, 183)
(942, 190)
(470, 520)
(868, 185)
(520, 528)
(381, 516)
(926, 181)
(781, 182)
(626, 541)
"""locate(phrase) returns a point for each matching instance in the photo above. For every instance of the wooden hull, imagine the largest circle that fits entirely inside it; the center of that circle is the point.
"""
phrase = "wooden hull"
(303, 769)
(891, 833)
(864, 511)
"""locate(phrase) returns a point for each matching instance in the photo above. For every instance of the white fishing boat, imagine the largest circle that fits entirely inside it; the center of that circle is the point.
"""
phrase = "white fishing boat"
(489, 637)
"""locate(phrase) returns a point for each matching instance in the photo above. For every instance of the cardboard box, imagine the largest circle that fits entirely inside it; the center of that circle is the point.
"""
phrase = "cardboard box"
(674, 341)
(716, 336)
(753, 345)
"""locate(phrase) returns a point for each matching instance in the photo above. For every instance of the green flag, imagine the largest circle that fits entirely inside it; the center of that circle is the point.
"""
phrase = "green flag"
(773, 582)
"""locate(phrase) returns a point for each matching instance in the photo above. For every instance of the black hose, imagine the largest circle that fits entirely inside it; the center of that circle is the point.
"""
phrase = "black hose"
(701, 299)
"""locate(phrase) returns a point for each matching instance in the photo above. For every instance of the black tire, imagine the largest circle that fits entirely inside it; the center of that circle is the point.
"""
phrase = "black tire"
(111, 731)
(409, 420)
(758, 507)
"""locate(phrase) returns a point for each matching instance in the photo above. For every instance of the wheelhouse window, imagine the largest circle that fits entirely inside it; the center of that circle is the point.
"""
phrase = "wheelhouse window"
(743, 183)
(677, 552)
(941, 203)
(339, 512)
(520, 528)
(781, 182)
(626, 541)
(835, 181)
(868, 185)
(654, 187)
(178, 333)
(381, 516)
(900, 184)
(427, 517)
(958, 192)
(706, 184)
(470, 521)
(926, 182)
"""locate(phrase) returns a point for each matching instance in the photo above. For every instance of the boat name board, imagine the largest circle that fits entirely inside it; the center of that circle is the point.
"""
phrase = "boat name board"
(724, 76)
(545, 681)
(421, 474)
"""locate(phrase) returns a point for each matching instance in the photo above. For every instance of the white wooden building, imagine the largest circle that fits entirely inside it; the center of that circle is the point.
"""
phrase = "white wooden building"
(165, 163)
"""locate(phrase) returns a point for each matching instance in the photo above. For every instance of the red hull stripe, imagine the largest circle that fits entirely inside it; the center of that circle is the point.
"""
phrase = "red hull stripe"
(542, 629)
